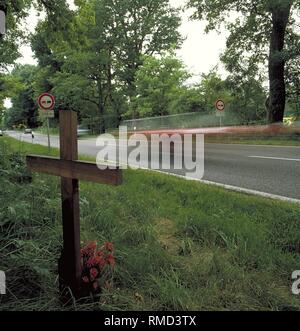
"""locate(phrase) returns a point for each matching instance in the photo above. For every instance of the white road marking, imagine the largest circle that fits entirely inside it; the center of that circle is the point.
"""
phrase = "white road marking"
(274, 158)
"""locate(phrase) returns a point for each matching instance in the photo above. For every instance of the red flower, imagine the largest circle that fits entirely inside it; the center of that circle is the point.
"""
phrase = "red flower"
(90, 249)
(92, 246)
(94, 273)
(94, 263)
(109, 247)
(91, 262)
(100, 262)
(111, 260)
(100, 254)
(85, 279)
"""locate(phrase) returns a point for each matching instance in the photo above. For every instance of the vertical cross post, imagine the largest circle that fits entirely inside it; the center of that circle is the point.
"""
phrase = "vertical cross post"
(71, 171)
(70, 261)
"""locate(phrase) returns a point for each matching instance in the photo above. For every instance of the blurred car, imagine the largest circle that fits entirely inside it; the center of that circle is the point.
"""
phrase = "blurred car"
(83, 132)
(1, 133)
(28, 131)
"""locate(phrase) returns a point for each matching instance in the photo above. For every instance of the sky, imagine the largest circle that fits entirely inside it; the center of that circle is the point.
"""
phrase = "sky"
(200, 51)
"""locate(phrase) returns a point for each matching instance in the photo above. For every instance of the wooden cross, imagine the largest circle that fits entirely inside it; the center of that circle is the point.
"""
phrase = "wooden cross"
(71, 171)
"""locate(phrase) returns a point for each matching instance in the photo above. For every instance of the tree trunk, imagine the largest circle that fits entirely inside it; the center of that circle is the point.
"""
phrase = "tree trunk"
(132, 70)
(277, 100)
(114, 104)
(102, 127)
(101, 108)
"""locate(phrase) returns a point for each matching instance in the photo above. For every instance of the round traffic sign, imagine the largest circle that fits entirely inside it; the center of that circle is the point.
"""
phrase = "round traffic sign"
(220, 105)
(46, 101)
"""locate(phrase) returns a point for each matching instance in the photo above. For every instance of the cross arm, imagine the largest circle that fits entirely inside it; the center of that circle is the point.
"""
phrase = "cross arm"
(80, 170)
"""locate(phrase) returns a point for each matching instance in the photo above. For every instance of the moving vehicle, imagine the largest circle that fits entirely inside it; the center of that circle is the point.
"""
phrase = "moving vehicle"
(1, 133)
(83, 132)
(28, 131)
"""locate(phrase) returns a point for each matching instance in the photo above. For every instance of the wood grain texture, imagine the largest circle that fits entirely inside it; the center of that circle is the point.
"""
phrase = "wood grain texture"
(68, 135)
(70, 260)
(71, 171)
(79, 170)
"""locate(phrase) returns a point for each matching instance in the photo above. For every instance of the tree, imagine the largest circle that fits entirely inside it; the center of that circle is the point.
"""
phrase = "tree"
(188, 100)
(212, 88)
(141, 28)
(24, 110)
(244, 97)
(9, 86)
(57, 12)
(10, 42)
(248, 100)
(86, 80)
(263, 31)
(293, 84)
(159, 83)
(49, 63)
(102, 52)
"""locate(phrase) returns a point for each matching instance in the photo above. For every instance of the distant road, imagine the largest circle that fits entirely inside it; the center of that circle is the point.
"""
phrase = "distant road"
(268, 169)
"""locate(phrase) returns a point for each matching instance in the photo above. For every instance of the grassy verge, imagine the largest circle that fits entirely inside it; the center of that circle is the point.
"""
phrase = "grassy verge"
(180, 245)
(271, 141)
(44, 130)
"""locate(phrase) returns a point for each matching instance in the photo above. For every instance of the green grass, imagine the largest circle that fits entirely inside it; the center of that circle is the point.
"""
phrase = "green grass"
(180, 245)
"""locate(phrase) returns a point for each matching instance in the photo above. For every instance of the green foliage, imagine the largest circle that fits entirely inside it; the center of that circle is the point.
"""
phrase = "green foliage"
(293, 87)
(245, 99)
(23, 224)
(24, 110)
(57, 13)
(93, 66)
(213, 88)
(248, 99)
(9, 86)
(188, 100)
(159, 83)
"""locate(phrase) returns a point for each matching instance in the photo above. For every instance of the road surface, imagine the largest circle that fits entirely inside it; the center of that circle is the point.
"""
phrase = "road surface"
(268, 169)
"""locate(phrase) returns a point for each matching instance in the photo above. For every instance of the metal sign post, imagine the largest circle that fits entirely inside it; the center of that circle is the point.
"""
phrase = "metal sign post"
(48, 134)
(220, 107)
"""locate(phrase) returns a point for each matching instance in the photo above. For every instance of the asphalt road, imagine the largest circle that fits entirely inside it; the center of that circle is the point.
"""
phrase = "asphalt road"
(268, 169)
